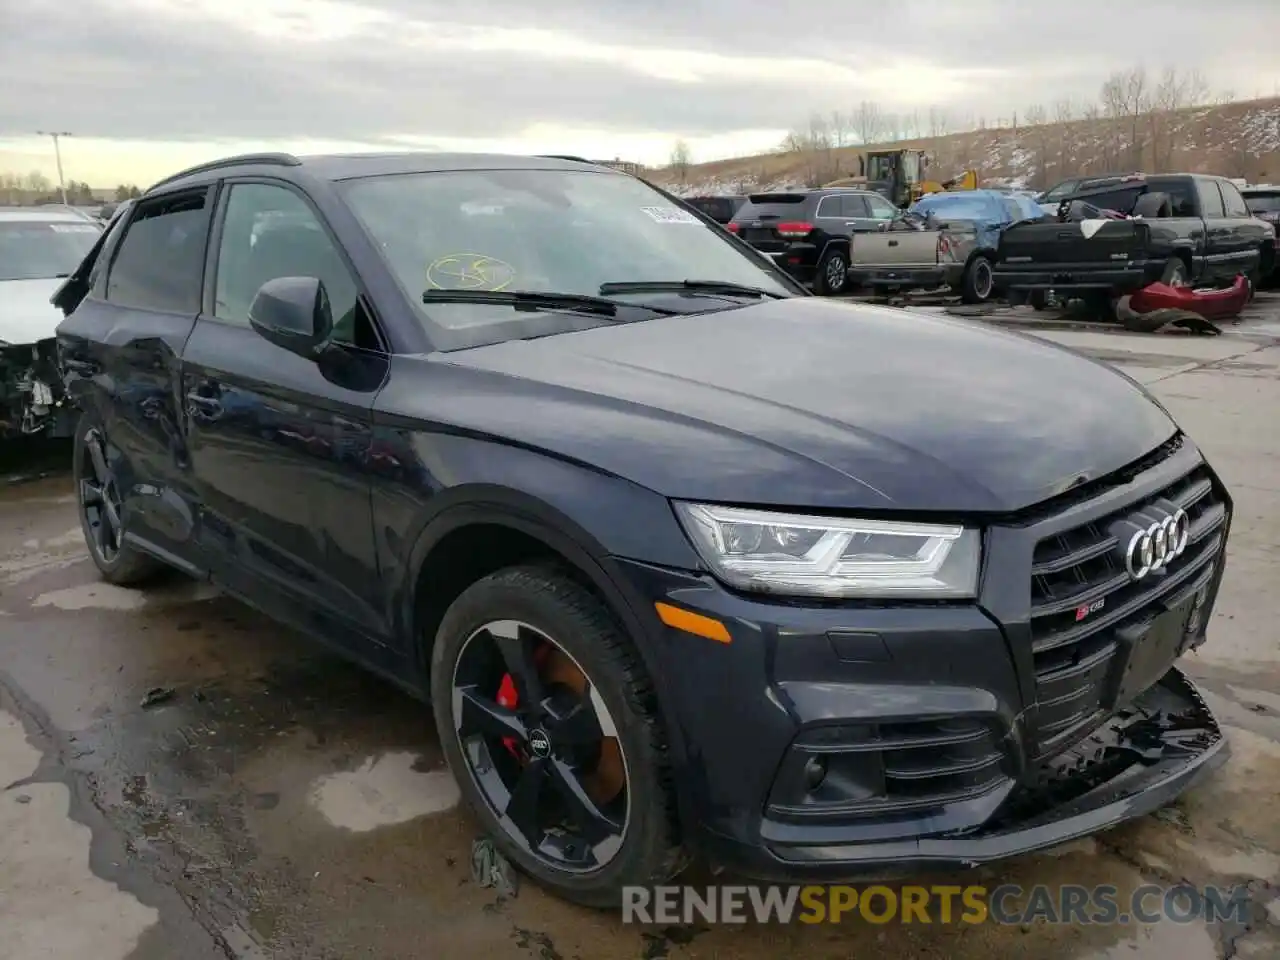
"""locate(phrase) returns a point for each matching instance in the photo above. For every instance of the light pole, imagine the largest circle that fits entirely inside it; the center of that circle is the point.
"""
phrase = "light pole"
(57, 153)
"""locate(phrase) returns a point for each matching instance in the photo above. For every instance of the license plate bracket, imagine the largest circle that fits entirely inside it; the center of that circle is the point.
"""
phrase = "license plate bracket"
(1148, 650)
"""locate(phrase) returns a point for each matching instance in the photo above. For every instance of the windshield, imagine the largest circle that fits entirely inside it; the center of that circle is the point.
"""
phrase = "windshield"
(43, 249)
(1263, 202)
(561, 231)
(880, 167)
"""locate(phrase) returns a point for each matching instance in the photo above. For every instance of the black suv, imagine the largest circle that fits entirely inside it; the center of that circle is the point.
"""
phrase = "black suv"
(808, 233)
(686, 560)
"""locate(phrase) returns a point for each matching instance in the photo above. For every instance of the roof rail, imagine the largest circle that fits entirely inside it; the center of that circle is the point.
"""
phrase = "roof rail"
(566, 156)
(264, 159)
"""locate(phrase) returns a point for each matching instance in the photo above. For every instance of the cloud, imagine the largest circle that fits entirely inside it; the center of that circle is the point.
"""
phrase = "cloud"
(381, 71)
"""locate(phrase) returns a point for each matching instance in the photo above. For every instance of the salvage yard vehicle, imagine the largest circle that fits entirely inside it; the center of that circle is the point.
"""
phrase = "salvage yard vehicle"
(944, 240)
(687, 561)
(808, 233)
(1263, 201)
(38, 247)
(1054, 196)
(1177, 229)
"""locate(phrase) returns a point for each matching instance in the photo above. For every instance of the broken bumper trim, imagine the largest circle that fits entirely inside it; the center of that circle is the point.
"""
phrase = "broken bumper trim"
(1150, 754)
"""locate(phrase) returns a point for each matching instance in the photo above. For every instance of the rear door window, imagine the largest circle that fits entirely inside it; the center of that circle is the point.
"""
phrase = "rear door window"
(855, 207)
(831, 208)
(1182, 195)
(159, 263)
(1210, 199)
(1231, 199)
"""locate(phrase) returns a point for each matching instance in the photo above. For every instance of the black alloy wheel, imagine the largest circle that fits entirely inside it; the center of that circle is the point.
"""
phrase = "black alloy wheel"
(100, 502)
(541, 745)
(548, 719)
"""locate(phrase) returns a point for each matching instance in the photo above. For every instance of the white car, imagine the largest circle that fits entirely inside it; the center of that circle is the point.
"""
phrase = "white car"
(39, 248)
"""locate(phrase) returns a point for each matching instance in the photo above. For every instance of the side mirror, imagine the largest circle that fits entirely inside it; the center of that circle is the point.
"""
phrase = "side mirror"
(293, 313)
(884, 225)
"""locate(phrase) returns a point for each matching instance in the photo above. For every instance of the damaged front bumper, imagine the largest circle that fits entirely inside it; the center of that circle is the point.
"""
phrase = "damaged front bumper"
(1141, 759)
(32, 401)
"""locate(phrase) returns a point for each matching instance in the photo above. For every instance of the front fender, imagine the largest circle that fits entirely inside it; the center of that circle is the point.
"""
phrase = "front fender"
(441, 482)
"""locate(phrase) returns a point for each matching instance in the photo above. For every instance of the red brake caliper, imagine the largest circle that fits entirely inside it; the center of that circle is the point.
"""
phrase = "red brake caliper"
(507, 697)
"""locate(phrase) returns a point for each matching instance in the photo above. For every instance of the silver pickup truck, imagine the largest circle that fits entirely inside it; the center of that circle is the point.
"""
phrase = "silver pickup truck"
(944, 240)
(912, 253)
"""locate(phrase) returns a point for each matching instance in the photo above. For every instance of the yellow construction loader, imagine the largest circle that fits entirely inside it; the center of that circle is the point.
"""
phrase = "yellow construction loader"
(900, 176)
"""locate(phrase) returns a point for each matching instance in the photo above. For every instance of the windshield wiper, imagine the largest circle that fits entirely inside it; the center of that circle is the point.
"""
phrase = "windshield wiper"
(529, 299)
(692, 286)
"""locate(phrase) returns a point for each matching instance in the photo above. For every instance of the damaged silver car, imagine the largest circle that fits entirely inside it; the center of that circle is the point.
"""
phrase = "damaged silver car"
(39, 247)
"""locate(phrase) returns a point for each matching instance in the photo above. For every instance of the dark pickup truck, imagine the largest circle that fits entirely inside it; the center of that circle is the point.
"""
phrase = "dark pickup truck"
(1184, 229)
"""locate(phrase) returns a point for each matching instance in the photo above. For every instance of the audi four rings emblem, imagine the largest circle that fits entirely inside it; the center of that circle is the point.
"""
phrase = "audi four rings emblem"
(1152, 548)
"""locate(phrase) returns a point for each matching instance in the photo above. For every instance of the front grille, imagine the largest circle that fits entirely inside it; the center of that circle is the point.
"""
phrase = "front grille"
(887, 769)
(1073, 639)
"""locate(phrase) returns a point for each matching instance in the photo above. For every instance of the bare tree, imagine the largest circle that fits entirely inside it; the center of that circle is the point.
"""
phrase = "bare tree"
(841, 129)
(681, 158)
(10, 189)
(1108, 148)
(815, 150)
(939, 122)
(823, 163)
(910, 127)
(1173, 95)
(868, 122)
(797, 141)
(1037, 132)
(1126, 99)
(1064, 115)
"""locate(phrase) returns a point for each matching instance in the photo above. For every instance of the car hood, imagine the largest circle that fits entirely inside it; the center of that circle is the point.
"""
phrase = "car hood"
(812, 403)
(26, 315)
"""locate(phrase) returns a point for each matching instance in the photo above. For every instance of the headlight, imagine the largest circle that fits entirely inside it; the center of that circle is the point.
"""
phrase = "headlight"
(833, 557)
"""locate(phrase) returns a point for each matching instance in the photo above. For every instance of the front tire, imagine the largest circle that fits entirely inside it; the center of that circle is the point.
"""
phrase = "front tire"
(100, 505)
(546, 717)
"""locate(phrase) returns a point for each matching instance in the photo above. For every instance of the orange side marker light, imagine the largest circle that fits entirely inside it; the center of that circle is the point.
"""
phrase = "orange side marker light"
(694, 623)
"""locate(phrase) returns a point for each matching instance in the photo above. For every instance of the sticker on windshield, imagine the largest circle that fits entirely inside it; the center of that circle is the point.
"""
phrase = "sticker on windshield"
(670, 215)
(73, 228)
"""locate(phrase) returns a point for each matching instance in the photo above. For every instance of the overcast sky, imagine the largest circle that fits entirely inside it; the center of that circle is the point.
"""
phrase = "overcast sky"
(150, 85)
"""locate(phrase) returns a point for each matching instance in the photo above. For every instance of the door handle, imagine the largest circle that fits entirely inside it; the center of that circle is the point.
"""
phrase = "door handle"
(893, 243)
